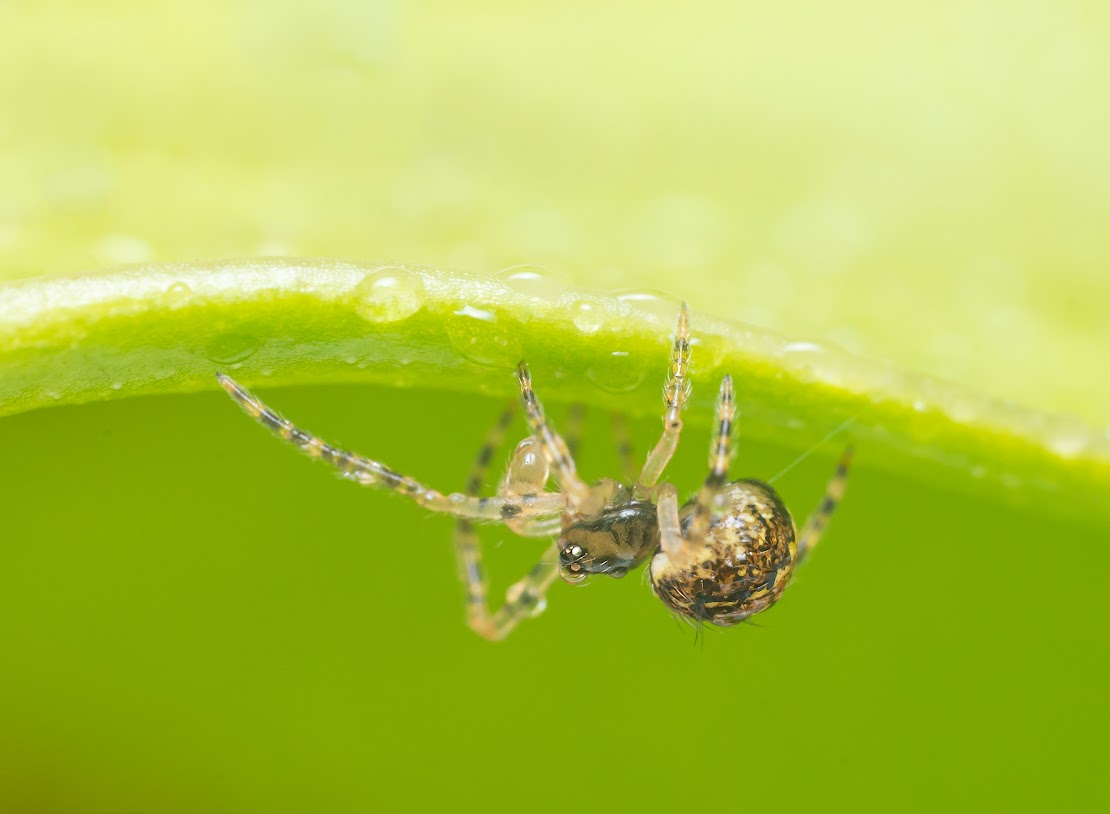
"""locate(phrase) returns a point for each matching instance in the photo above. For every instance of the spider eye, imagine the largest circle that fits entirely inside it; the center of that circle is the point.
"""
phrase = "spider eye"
(571, 557)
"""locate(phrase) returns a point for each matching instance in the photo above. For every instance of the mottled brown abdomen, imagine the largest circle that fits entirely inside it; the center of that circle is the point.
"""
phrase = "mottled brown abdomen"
(743, 566)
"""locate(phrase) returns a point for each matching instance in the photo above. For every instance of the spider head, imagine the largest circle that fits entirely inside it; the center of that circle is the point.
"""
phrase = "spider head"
(612, 542)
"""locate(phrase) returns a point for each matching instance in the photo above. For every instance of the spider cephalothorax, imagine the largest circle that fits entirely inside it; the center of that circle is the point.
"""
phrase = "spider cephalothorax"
(723, 556)
(613, 543)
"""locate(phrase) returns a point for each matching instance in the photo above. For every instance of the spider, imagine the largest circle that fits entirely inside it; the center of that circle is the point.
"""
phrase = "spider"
(723, 556)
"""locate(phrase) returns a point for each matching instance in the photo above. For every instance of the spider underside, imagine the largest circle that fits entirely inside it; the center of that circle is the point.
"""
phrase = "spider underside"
(723, 556)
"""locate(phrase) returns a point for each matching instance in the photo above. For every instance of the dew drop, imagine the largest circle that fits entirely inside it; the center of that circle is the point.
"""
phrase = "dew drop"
(617, 372)
(708, 351)
(178, 293)
(116, 385)
(479, 336)
(588, 316)
(389, 294)
(1068, 438)
(803, 359)
(655, 304)
(534, 281)
(231, 349)
(803, 347)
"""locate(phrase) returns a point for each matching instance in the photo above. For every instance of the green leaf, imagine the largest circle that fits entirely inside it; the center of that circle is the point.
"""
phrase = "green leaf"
(166, 329)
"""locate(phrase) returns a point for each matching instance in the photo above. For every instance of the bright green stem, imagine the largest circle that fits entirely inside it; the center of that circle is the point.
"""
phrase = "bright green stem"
(166, 329)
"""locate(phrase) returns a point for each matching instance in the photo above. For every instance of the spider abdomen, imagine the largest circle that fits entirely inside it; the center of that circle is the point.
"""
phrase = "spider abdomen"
(743, 565)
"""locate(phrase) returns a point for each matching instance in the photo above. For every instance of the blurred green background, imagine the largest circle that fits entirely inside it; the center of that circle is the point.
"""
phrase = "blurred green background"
(193, 618)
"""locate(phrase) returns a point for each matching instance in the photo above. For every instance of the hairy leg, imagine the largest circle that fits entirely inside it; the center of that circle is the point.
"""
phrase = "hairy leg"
(675, 392)
(524, 597)
(720, 452)
(811, 532)
(553, 446)
(372, 473)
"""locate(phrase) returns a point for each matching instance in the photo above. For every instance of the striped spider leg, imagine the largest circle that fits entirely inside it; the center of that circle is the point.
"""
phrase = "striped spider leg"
(372, 473)
(526, 474)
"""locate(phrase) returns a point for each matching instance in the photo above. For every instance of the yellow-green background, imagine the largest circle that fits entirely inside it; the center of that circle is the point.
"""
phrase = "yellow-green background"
(191, 618)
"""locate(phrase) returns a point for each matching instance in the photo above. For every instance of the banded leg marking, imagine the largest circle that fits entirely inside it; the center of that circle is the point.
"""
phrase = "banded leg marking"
(524, 598)
(720, 452)
(554, 447)
(372, 473)
(468, 552)
(815, 526)
(675, 393)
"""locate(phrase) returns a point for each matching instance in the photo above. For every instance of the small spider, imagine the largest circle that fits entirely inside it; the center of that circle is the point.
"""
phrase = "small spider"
(725, 555)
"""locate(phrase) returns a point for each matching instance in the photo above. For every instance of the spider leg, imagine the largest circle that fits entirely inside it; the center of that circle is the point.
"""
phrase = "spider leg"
(624, 447)
(576, 416)
(553, 446)
(720, 451)
(675, 392)
(372, 473)
(670, 527)
(524, 597)
(811, 532)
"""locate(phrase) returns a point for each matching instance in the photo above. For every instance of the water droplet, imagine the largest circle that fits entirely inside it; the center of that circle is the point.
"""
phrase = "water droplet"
(116, 385)
(654, 304)
(534, 281)
(54, 394)
(177, 294)
(389, 294)
(803, 347)
(588, 316)
(231, 349)
(920, 406)
(708, 352)
(803, 359)
(617, 372)
(481, 337)
(1069, 438)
